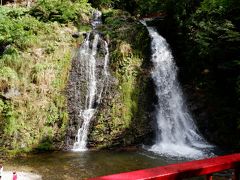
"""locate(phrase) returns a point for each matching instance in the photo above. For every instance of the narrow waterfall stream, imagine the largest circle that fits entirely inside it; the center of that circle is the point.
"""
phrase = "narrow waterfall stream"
(92, 57)
(177, 134)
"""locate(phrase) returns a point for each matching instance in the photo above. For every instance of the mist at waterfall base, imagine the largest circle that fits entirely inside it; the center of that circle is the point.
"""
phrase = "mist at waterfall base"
(176, 132)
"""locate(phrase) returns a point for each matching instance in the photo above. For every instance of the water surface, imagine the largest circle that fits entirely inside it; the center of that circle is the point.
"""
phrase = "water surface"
(80, 165)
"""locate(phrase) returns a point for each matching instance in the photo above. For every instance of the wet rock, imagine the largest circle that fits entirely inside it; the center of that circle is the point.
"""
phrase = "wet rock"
(76, 35)
(38, 52)
(11, 93)
(124, 114)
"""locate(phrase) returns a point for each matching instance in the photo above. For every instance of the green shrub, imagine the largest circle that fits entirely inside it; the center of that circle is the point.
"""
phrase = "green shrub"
(8, 78)
(34, 59)
(11, 125)
(62, 11)
(20, 32)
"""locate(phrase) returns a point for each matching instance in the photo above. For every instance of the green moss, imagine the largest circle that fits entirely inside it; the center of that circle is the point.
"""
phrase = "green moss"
(122, 119)
(84, 28)
(62, 11)
(44, 146)
(10, 125)
(35, 63)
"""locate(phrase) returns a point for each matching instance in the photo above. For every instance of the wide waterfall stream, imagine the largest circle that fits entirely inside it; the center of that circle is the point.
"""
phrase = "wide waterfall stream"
(177, 134)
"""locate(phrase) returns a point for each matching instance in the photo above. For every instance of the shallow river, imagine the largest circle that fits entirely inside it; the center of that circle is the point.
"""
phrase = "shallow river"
(80, 165)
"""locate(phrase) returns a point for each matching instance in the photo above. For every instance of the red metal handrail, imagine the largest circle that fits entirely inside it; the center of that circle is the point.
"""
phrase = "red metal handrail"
(154, 15)
(182, 170)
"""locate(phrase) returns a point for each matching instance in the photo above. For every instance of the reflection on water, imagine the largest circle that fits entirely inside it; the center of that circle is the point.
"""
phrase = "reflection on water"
(80, 165)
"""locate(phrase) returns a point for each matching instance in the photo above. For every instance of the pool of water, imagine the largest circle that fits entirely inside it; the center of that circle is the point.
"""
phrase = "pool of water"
(80, 165)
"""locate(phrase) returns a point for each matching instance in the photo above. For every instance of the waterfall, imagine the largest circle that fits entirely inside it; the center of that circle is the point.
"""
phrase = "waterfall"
(92, 62)
(177, 134)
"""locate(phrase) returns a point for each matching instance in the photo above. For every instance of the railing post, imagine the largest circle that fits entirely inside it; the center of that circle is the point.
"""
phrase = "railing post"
(237, 172)
(209, 177)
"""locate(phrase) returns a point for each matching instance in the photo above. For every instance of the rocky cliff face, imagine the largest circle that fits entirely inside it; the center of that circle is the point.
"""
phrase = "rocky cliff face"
(124, 115)
(88, 81)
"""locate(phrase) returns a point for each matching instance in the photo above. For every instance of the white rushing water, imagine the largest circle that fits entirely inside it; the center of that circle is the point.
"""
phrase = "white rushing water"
(95, 80)
(177, 134)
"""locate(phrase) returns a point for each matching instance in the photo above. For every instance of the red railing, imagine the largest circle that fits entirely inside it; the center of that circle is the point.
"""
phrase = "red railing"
(183, 170)
(154, 15)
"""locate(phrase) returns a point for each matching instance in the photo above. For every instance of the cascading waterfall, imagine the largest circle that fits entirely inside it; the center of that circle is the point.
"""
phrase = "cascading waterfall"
(95, 78)
(177, 134)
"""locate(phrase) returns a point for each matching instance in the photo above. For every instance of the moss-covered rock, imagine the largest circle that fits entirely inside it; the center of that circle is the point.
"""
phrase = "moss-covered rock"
(124, 116)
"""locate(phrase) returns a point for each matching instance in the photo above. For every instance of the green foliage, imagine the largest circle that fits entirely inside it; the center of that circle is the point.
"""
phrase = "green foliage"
(122, 118)
(8, 78)
(214, 35)
(141, 7)
(115, 17)
(53, 115)
(208, 42)
(62, 11)
(20, 32)
(34, 60)
(12, 12)
(130, 97)
(1, 106)
(150, 6)
(45, 145)
(10, 124)
(103, 3)
(205, 36)
(8, 74)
